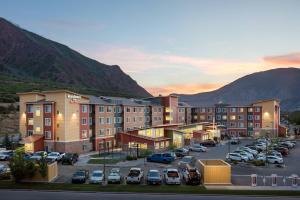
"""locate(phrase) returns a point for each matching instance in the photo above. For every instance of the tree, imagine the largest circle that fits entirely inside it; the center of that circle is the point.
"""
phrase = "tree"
(6, 142)
(43, 166)
(21, 168)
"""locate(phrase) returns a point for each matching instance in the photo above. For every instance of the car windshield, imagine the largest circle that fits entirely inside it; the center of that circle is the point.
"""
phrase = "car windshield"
(115, 170)
(53, 154)
(97, 174)
(80, 173)
(173, 174)
(114, 174)
(134, 173)
(153, 174)
(186, 159)
(68, 155)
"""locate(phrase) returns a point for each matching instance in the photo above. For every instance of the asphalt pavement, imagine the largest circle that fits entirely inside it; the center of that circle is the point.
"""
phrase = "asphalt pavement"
(50, 195)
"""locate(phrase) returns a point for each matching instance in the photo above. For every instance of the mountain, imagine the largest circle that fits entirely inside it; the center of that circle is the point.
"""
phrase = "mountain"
(30, 62)
(280, 83)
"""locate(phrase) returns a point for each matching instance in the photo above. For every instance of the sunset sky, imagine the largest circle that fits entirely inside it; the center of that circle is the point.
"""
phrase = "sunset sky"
(171, 46)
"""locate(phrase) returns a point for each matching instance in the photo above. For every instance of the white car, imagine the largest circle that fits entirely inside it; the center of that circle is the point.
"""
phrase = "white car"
(55, 156)
(135, 175)
(172, 176)
(114, 176)
(236, 157)
(96, 177)
(244, 153)
(247, 149)
(198, 147)
(274, 160)
(261, 146)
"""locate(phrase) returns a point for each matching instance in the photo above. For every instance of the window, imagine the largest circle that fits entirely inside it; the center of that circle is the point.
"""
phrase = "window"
(109, 109)
(240, 117)
(101, 120)
(108, 131)
(241, 109)
(219, 110)
(232, 124)
(119, 120)
(250, 109)
(29, 108)
(257, 117)
(232, 109)
(133, 119)
(83, 121)
(250, 117)
(118, 109)
(257, 125)
(37, 111)
(84, 108)
(202, 110)
(218, 117)
(90, 121)
(159, 110)
(257, 109)
(232, 117)
(101, 109)
(202, 117)
(48, 108)
(209, 110)
(224, 117)
(224, 109)
(241, 124)
(209, 117)
(127, 119)
(29, 132)
(30, 121)
(101, 132)
(47, 121)
(38, 129)
(128, 109)
(147, 119)
(119, 129)
(250, 124)
(84, 134)
(108, 120)
(139, 109)
(48, 135)
(134, 109)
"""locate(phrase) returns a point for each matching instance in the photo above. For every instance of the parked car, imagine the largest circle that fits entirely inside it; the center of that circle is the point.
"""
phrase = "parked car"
(161, 158)
(80, 176)
(287, 144)
(198, 148)
(154, 177)
(114, 176)
(181, 152)
(27, 156)
(170, 154)
(5, 172)
(135, 176)
(191, 175)
(235, 141)
(275, 153)
(274, 159)
(236, 157)
(69, 158)
(284, 151)
(6, 155)
(38, 155)
(56, 156)
(96, 177)
(208, 143)
(245, 154)
(172, 176)
(249, 150)
(186, 160)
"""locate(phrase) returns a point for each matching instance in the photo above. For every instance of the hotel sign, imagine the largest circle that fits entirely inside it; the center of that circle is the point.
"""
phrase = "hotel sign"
(73, 98)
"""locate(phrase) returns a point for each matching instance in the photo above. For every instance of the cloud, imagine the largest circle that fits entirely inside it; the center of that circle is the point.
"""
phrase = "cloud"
(292, 59)
(183, 88)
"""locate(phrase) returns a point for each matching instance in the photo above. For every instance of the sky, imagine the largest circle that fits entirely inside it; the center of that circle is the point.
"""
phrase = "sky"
(171, 46)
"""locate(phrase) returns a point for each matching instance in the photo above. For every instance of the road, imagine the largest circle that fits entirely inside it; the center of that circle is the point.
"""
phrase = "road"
(48, 195)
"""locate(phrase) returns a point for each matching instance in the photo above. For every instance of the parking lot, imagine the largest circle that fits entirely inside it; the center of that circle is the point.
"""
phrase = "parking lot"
(241, 172)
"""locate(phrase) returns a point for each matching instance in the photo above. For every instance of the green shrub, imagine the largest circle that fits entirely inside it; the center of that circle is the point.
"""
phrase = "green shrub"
(129, 157)
(172, 147)
(258, 163)
(144, 153)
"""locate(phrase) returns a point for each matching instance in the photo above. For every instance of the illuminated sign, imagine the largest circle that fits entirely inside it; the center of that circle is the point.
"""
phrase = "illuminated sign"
(73, 98)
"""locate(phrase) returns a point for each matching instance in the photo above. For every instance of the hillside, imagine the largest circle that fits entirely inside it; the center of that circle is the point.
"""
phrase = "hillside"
(31, 62)
(281, 83)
